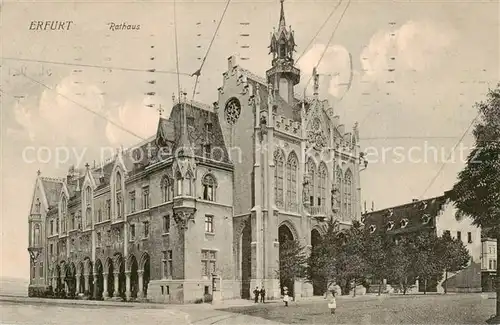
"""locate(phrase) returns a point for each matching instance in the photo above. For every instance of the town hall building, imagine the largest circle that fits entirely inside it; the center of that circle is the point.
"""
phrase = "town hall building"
(201, 207)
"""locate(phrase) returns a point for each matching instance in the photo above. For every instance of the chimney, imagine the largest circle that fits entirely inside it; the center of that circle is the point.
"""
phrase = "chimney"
(231, 62)
(415, 200)
(373, 206)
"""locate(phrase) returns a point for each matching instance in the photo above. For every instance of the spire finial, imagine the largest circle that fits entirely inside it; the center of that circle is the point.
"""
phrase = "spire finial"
(316, 81)
(160, 110)
(38, 172)
(282, 16)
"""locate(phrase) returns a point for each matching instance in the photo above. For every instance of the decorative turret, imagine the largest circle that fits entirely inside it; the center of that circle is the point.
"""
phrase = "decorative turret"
(283, 75)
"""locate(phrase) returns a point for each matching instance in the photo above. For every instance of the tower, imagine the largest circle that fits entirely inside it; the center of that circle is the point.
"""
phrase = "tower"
(283, 75)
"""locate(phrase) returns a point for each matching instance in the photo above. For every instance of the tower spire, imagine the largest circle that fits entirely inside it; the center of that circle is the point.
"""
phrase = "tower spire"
(282, 24)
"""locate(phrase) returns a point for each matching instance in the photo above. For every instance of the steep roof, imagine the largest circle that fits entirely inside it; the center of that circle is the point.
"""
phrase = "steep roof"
(417, 215)
(52, 188)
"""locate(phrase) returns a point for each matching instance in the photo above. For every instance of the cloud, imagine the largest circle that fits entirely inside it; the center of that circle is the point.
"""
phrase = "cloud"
(415, 46)
(135, 118)
(334, 69)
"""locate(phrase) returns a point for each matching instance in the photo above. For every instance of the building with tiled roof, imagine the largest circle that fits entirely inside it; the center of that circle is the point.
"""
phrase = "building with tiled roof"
(209, 196)
(436, 215)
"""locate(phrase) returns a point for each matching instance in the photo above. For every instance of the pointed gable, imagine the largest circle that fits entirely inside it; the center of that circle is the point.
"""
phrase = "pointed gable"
(52, 188)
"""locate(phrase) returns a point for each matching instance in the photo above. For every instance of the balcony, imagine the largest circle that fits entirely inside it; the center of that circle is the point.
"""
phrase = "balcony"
(317, 212)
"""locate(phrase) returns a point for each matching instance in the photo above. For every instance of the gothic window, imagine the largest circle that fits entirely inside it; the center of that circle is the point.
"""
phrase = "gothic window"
(166, 189)
(36, 235)
(118, 196)
(166, 224)
(64, 205)
(278, 177)
(339, 186)
(291, 182)
(209, 224)
(189, 179)
(146, 229)
(167, 264)
(178, 178)
(88, 193)
(209, 185)
(322, 178)
(108, 209)
(232, 111)
(88, 217)
(348, 193)
(73, 221)
(51, 227)
(57, 225)
(311, 170)
(208, 262)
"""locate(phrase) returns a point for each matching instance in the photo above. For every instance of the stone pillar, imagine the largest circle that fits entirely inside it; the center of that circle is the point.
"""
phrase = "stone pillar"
(95, 293)
(127, 285)
(140, 292)
(116, 293)
(87, 283)
(105, 286)
(77, 284)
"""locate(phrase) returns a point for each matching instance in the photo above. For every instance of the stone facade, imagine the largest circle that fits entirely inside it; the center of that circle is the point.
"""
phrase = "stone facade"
(258, 167)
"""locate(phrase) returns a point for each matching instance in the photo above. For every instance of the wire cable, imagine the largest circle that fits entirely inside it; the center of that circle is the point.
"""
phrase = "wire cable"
(319, 31)
(92, 66)
(329, 41)
(177, 52)
(197, 73)
(80, 105)
(449, 156)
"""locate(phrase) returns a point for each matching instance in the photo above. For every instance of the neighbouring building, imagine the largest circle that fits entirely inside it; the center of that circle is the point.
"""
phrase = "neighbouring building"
(488, 263)
(437, 215)
(258, 167)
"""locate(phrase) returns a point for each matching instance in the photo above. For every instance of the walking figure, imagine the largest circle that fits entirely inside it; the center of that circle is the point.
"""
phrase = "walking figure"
(256, 293)
(262, 294)
(286, 298)
(332, 302)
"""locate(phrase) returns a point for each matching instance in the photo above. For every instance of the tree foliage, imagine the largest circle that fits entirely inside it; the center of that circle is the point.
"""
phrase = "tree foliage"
(293, 260)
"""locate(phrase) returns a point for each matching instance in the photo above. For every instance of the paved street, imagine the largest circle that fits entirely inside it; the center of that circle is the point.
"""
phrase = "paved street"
(431, 309)
(420, 309)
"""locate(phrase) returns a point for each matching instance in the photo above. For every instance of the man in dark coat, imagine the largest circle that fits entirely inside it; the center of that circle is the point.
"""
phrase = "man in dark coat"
(262, 294)
(256, 293)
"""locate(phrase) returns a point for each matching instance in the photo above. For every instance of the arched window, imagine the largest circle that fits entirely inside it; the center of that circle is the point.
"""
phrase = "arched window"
(167, 189)
(322, 175)
(64, 209)
(209, 185)
(291, 182)
(118, 196)
(311, 170)
(278, 178)
(339, 186)
(36, 235)
(348, 194)
(189, 180)
(178, 179)
(88, 217)
(37, 206)
(88, 195)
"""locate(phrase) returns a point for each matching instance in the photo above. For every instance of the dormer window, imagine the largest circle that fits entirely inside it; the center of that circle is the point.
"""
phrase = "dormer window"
(189, 179)
(372, 229)
(208, 127)
(88, 195)
(37, 206)
(190, 121)
(209, 185)
(390, 225)
(426, 219)
(404, 223)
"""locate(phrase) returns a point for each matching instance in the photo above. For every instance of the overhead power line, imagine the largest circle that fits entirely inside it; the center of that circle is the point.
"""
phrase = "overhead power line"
(197, 73)
(80, 105)
(94, 66)
(319, 31)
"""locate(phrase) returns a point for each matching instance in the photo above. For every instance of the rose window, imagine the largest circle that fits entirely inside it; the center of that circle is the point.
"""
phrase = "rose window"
(232, 111)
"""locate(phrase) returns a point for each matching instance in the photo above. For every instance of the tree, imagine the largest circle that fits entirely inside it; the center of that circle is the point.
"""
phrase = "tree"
(426, 263)
(292, 263)
(323, 258)
(476, 194)
(453, 254)
(377, 257)
(400, 265)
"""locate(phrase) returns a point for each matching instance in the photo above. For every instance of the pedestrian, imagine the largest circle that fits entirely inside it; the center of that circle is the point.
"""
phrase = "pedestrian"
(262, 294)
(332, 302)
(286, 298)
(256, 293)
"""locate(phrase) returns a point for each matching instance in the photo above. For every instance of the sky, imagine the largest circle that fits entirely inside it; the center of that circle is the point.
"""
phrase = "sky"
(415, 68)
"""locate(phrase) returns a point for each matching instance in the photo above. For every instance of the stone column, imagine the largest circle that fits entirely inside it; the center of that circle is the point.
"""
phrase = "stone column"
(127, 285)
(77, 284)
(87, 283)
(116, 293)
(105, 286)
(140, 292)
